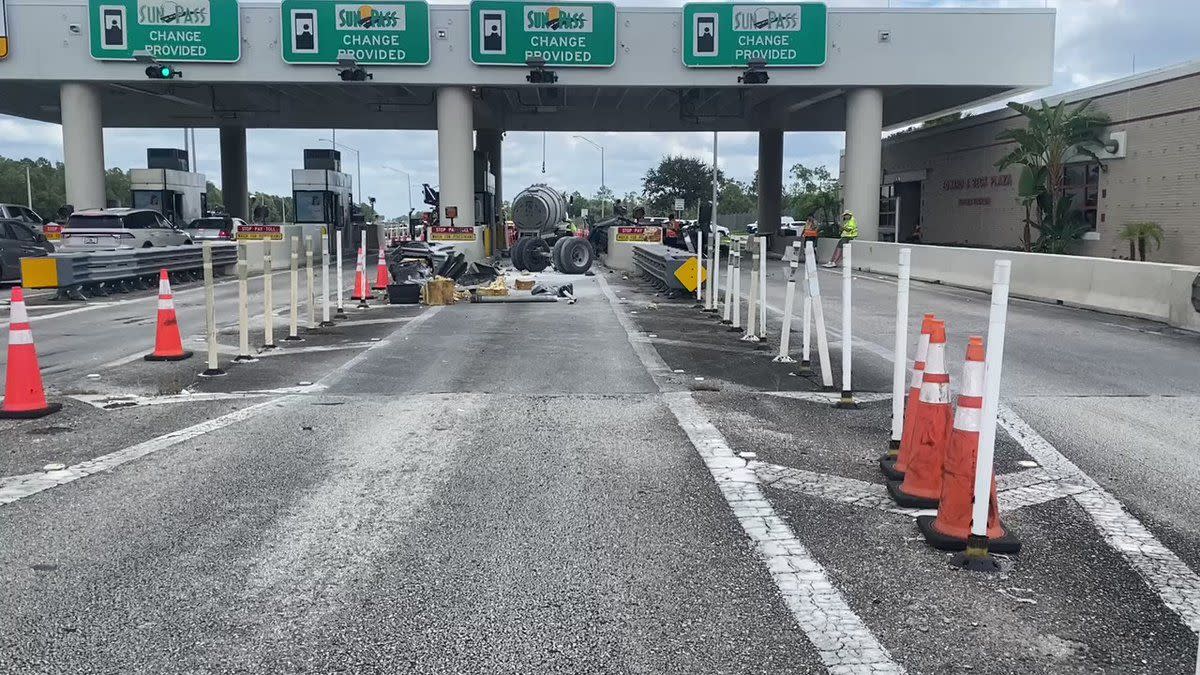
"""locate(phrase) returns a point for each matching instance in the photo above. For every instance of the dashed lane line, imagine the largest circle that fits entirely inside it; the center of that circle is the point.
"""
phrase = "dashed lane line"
(842, 640)
(1168, 576)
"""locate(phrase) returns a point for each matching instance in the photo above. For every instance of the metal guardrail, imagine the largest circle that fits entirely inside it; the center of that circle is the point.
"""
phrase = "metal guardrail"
(80, 274)
(659, 263)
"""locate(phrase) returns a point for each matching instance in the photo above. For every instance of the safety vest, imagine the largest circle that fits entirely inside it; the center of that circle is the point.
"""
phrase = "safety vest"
(850, 229)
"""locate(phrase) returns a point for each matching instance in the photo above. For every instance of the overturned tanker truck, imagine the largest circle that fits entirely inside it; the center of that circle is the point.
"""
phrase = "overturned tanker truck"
(544, 235)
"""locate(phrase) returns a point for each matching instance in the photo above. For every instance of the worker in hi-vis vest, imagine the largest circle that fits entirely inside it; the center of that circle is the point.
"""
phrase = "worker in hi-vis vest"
(849, 232)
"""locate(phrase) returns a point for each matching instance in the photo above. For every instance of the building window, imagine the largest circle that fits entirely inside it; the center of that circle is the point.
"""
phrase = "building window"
(887, 212)
(1081, 182)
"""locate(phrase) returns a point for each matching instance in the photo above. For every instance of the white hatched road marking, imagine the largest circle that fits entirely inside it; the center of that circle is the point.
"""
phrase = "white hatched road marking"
(842, 640)
(1159, 567)
(115, 401)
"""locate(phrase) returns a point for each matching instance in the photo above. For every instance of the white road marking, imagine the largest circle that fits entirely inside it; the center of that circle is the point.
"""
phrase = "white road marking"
(842, 640)
(829, 396)
(13, 488)
(1159, 567)
(116, 401)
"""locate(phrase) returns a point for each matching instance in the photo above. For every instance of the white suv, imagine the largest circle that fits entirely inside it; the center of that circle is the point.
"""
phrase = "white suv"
(95, 229)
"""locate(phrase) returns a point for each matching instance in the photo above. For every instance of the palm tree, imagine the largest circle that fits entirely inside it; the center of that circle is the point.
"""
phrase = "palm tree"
(1053, 136)
(1139, 233)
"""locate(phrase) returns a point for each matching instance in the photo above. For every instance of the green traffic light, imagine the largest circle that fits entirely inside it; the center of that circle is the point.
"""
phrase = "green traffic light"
(165, 72)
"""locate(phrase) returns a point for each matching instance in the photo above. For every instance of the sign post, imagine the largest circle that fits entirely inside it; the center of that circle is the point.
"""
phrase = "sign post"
(729, 35)
(565, 34)
(377, 34)
(167, 30)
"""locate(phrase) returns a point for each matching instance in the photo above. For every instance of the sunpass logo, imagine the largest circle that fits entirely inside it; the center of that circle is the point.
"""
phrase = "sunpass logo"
(766, 17)
(370, 17)
(554, 19)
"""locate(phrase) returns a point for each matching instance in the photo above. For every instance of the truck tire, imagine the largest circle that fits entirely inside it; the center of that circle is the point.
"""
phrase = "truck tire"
(556, 254)
(517, 254)
(537, 254)
(576, 255)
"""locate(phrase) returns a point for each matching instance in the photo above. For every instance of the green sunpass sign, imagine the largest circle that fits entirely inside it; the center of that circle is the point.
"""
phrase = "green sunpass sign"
(373, 34)
(728, 35)
(168, 30)
(567, 34)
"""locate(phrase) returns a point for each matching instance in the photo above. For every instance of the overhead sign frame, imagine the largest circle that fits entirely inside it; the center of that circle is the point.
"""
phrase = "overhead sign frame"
(386, 33)
(574, 42)
(171, 31)
(731, 34)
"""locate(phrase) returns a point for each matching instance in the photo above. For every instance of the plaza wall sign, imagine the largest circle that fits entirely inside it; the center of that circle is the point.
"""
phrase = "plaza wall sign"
(566, 34)
(168, 30)
(729, 35)
(380, 34)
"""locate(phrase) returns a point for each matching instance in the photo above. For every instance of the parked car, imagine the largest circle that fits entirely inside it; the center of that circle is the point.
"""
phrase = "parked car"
(18, 240)
(22, 214)
(96, 229)
(214, 228)
(788, 227)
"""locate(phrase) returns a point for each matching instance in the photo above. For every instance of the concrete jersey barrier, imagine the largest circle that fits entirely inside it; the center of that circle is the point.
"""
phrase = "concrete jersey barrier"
(1157, 291)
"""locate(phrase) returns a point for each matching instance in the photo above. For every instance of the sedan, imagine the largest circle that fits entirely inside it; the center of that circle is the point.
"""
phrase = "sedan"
(18, 240)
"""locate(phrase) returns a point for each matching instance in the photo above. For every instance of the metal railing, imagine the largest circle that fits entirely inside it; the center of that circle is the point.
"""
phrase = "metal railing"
(81, 274)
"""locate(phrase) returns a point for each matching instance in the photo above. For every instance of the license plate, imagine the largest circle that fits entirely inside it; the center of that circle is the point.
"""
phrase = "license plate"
(91, 240)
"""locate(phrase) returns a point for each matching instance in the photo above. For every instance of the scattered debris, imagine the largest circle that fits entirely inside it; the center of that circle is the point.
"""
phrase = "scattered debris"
(54, 466)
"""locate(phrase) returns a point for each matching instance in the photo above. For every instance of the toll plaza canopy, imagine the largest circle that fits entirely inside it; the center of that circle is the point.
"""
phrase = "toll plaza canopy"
(255, 64)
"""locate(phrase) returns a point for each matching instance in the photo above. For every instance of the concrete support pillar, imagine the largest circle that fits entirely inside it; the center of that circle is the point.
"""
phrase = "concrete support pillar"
(864, 147)
(83, 145)
(770, 179)
(456, 163)
(490, 142)
(234, 188)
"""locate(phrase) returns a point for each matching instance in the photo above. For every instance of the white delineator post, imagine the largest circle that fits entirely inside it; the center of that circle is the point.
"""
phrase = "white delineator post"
(268, 300)
(699, 268)
(751, 315)
(727, 317)
(847, 399)
(294, 276)
(762, 288)
(994, 358)
(325, 283)
(341, 311)
(210, 313)
(814, 292)
(308, 281)
(805, 362)
(710, 302)
(900, 350)
(736, 287)
(788, 301)
(243, 272)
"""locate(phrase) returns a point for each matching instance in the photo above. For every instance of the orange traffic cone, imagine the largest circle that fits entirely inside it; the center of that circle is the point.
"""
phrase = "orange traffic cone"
(952, 526)
(361, 292)
(922, 485)
(894, 465)
(24, 396)
(168, 344)
(381, 272)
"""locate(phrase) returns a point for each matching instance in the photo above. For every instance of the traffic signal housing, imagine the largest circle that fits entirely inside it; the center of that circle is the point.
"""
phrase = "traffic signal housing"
(159, 71)
(355, 74)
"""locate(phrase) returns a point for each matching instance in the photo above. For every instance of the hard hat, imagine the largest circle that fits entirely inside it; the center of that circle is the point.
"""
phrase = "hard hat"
(847, 213)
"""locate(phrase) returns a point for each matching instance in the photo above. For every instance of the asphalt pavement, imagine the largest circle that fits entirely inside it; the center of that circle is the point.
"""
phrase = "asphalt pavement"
(615, 485)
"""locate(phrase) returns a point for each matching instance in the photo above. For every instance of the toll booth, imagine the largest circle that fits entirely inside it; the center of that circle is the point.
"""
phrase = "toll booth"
(485, 203)
(323, 194)
(168, 186)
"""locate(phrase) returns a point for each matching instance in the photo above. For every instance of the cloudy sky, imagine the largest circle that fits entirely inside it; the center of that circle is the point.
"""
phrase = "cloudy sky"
(1097, 40)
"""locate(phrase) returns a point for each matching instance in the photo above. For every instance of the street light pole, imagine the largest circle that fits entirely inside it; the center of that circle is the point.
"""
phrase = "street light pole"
(357, 162)
(602, 184)
(408, 176)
